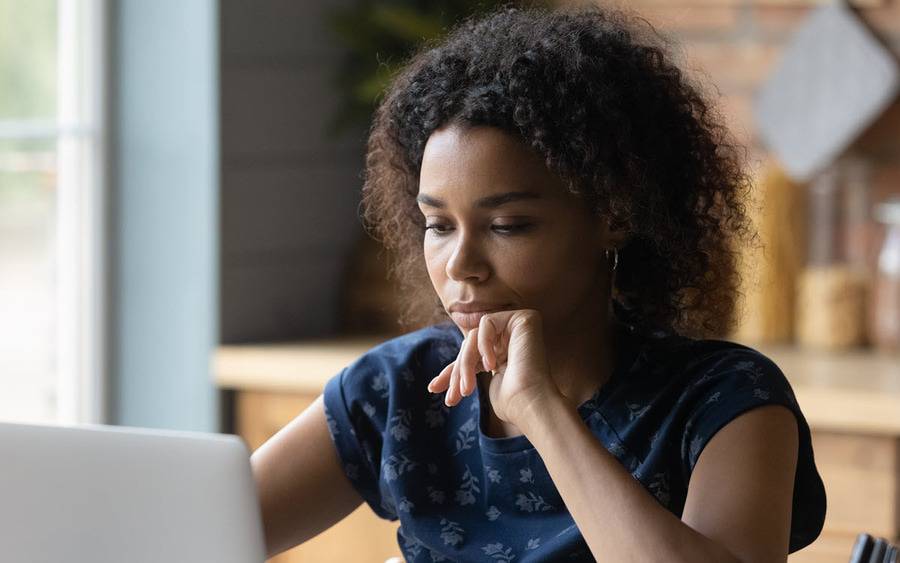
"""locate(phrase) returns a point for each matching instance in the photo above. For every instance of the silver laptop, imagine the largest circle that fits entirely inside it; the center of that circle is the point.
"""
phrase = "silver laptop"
(104, 494)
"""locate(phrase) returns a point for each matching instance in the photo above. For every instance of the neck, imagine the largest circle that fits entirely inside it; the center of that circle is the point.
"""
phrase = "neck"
(582, 358)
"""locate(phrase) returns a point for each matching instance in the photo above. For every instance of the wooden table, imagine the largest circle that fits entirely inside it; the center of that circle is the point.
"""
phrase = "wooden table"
(851, 401)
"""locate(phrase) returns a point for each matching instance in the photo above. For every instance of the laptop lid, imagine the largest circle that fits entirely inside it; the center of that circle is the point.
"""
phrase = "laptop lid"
(104, 494)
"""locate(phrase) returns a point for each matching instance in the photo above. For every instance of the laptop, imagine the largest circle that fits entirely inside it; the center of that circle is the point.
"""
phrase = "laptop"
(105, 494)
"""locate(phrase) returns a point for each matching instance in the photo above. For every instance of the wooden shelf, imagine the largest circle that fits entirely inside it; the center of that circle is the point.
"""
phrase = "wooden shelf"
(302, 367)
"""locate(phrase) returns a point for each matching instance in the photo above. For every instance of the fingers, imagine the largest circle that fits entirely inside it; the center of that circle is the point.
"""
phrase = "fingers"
(442, 381)
(458, 378)
(475, 359)
(487, 338)
(466, 369)
(478, 352)
(452, 396)
(468, 363)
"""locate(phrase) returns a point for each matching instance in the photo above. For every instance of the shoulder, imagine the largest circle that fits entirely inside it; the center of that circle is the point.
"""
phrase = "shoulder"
(713, 381)
(677, 380)
(704, 366)
(719, 366)
(374, 405)
(682, 392)
(691, 388)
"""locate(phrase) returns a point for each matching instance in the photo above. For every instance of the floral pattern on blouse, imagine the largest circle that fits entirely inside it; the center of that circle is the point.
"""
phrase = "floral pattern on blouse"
(461, 495)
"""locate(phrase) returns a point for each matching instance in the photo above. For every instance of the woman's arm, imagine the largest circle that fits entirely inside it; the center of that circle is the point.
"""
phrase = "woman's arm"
(738, 506)
(302, 487)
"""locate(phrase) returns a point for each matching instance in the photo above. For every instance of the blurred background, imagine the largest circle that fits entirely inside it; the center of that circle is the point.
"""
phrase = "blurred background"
(180, 245)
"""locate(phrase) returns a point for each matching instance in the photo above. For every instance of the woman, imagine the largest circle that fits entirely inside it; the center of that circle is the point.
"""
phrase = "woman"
(575, 206)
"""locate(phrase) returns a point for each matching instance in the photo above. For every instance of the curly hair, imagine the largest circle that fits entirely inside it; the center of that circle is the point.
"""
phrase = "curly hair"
(594, 92)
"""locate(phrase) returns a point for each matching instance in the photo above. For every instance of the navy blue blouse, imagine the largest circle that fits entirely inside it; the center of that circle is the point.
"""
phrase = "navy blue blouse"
(461, 495)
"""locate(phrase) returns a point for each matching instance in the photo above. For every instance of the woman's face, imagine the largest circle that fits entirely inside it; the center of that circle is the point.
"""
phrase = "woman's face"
(502, 231)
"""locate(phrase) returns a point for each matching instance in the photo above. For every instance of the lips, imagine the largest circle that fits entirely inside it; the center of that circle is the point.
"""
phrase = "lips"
(468, 315)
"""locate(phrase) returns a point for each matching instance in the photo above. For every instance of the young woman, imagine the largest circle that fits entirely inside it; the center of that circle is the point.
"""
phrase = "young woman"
(553, 184)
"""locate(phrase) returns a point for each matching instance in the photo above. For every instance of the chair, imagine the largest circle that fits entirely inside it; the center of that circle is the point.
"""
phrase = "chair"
(874, 550)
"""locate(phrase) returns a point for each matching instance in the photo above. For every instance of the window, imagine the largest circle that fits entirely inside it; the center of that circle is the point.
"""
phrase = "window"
(52, 210)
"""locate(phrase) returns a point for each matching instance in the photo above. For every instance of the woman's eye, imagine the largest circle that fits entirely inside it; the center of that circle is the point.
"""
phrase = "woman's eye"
(440, 229)
(506, 229)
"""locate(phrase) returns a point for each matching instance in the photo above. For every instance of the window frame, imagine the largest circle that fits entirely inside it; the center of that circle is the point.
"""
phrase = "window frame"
(81, 252)
(82, 212)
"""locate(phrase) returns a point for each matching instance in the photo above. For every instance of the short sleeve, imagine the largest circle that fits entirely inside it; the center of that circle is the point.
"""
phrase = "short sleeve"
(731, 383)
(355, 413)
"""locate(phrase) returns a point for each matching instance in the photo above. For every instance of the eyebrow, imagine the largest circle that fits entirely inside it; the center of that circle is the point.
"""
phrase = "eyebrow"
(488, 202)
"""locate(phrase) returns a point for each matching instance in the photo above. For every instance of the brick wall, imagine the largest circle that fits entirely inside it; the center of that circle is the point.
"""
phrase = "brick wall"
(735, 44)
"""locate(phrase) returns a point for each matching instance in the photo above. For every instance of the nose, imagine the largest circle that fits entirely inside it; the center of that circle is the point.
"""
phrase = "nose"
(467, 261)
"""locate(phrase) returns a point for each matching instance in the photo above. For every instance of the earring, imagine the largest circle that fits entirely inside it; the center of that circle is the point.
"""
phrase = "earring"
(615, 260)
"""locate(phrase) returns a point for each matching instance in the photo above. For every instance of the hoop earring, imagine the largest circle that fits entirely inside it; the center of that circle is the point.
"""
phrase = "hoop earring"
(615, 258)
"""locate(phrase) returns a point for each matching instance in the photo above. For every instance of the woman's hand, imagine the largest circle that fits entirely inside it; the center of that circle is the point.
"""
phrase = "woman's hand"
(511, 345)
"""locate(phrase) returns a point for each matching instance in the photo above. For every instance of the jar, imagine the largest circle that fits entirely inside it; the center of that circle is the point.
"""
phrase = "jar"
(884, 312)
(830, 310)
